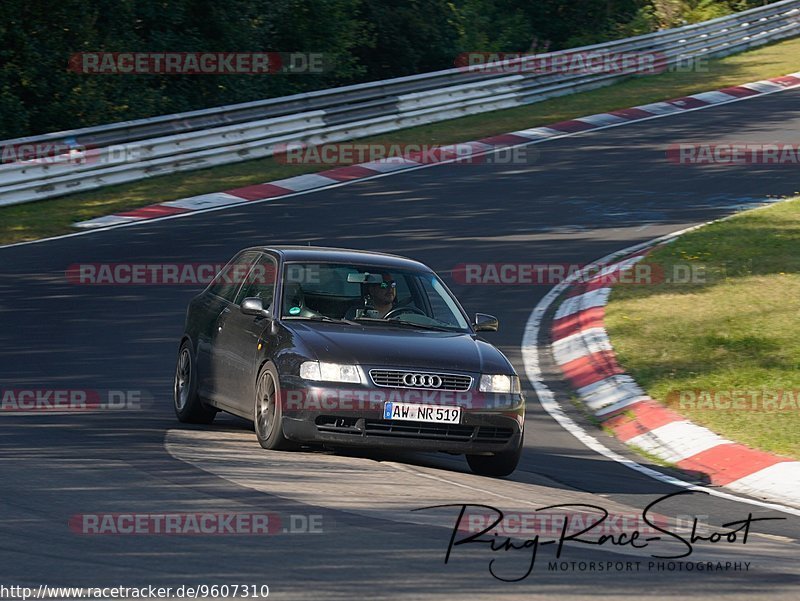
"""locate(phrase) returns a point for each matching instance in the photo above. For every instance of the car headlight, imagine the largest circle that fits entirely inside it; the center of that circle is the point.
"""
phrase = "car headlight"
(499, 383)
(330, 372)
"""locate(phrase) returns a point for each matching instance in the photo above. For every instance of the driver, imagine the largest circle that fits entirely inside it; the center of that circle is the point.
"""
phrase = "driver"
(377, 299)
(384, 294)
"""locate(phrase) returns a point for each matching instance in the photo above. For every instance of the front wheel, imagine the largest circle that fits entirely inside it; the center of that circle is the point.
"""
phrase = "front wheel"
(496, 465)
(267, 412)
(189, 407)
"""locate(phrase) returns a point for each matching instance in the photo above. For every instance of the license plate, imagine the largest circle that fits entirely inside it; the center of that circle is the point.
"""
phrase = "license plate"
(413, 412)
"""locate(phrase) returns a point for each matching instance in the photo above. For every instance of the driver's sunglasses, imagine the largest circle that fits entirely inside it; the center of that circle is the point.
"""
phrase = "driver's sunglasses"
(389, 284)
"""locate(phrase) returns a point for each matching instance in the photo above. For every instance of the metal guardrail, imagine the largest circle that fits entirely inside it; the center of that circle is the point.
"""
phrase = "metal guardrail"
(134, 150)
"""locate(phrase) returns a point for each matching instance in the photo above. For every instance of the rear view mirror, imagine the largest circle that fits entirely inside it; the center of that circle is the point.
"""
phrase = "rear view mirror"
(364, 278)
(485, 323)
(254, 306)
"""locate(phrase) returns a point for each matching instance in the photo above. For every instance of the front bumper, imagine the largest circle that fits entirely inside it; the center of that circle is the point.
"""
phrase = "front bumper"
(352, 416)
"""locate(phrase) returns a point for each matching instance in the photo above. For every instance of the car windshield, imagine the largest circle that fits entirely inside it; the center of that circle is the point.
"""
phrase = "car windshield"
(370, 295)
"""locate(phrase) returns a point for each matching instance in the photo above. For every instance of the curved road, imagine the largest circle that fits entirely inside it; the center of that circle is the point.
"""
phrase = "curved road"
(586, 196)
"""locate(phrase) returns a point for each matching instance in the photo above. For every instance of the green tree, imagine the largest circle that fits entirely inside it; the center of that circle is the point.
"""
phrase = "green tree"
(363, 39)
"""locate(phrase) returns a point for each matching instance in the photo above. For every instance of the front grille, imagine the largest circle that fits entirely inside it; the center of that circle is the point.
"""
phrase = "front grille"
(395, 378)
(419, 430)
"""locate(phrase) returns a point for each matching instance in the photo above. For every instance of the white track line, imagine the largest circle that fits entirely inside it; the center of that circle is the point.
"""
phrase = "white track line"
(530, 358)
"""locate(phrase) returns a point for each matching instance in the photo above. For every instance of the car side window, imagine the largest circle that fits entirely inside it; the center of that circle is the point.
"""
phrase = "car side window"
(230, 278)
(260, 282)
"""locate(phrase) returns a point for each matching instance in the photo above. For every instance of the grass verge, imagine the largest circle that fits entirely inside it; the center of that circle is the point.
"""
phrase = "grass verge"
(52, 217)
(723, 350)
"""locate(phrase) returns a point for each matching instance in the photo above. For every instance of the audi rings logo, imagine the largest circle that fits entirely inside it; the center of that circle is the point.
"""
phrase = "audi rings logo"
(422, 381)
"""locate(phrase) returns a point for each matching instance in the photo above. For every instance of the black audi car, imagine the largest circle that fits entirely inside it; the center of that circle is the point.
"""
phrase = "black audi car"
(346, 348)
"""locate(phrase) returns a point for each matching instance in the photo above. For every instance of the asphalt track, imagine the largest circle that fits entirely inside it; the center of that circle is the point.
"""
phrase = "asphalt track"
(584, 197)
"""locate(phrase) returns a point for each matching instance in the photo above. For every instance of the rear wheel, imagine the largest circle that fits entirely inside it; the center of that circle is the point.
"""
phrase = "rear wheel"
(498, 464)
(189, 407)
(267, 413)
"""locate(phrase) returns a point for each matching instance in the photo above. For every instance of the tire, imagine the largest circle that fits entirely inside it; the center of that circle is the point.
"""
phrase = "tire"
(189, 407)
(267, 412)
(498, 464)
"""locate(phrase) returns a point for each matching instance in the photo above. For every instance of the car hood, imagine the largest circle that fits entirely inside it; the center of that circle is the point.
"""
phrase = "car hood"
(375, 346)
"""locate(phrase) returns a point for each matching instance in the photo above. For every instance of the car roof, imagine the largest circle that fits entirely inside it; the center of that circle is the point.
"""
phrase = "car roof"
(343, 255)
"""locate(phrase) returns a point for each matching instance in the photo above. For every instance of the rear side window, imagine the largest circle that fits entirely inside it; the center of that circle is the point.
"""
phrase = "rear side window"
(232, 275)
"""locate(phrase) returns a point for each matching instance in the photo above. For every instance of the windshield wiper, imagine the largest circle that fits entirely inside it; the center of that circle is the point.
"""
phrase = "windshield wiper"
(321, 318)
(395, 322)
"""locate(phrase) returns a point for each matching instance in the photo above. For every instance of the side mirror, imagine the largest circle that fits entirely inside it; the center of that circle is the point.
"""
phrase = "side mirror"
(485, 323)
(254, 306)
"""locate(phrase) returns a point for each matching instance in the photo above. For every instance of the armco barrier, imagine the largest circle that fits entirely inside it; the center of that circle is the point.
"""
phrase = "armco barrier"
(466, 151)
(134, 150)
